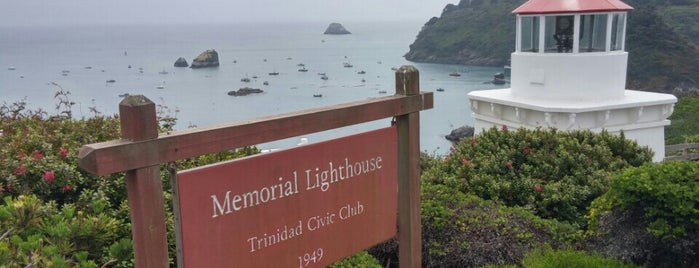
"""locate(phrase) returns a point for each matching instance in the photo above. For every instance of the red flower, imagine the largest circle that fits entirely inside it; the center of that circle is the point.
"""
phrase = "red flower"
(21, 154)
(66, 188)
(63, 152)
(38, 155)
(509, 164)
(9, 187)
(49, 176)
(504, 127)
(21, 170)
(466, 162)
(537, 188)
(526, 150)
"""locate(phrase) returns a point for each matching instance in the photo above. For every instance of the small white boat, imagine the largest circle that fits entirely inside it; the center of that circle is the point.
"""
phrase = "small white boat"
(160, 87)
(347, 65)
(11, 68)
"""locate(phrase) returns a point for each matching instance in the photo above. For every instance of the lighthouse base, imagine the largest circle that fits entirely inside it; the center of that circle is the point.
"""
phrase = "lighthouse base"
(642, 116)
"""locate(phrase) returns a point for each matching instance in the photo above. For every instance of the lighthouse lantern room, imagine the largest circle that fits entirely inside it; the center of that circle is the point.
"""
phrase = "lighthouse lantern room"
(569, 72)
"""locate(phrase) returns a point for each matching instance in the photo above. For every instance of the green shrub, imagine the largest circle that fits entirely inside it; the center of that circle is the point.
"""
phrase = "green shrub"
(39, 234)
(554, 174)
(362, 259)
(650, 215)
(548, 258)
(462, 230)
(684, 121)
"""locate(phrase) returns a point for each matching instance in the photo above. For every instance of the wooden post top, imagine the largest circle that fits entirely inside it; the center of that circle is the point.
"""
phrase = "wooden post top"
(138, 118)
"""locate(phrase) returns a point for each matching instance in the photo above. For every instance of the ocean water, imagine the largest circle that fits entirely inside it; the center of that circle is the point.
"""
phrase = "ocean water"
(81, 60)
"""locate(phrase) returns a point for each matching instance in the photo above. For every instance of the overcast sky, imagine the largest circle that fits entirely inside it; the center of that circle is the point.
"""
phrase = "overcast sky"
(103, 12)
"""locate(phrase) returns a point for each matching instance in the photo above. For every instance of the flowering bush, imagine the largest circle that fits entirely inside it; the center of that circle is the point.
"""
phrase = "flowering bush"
(554, 174)
(53, 214)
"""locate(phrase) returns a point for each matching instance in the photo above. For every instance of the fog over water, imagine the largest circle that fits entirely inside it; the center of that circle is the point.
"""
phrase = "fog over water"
(107, 12)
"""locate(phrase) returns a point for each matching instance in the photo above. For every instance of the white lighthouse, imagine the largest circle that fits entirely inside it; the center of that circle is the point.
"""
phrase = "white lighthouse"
(569, 72)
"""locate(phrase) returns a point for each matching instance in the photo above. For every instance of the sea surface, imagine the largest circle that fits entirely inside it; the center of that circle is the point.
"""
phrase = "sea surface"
(37, 62)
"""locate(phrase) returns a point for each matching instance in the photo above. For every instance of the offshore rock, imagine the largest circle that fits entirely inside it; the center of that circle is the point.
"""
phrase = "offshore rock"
(181, 62)
(244, 91)
(336, 28)
(457, 134)
(207, 58)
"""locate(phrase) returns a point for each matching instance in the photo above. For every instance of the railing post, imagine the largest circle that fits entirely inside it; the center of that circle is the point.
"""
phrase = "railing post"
(409, 226)
(144, 187)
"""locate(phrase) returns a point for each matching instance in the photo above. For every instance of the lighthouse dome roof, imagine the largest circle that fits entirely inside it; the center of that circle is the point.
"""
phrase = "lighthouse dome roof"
(570, 6)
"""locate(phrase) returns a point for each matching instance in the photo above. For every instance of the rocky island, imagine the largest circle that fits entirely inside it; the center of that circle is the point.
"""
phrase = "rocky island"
(244, 91)
(207, 58)
(181, 62)
(336, 28)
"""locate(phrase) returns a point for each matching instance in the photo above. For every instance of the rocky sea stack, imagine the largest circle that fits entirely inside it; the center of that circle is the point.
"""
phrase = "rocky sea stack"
(458, 134)
(207, 58)
(336, 28)
(181, 62)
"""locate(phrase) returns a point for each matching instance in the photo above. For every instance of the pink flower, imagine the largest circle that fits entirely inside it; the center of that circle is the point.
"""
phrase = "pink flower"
(63, 152)
(66, 188)
(38, 155)
(504, 127)
(537, 188)
(20, 170)
(49, 176)
(9, 187)
(466, 162)
(508, 164)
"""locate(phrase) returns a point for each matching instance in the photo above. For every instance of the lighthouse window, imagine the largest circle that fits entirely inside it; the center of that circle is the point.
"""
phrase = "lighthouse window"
(530, 34)
(559, 34)
(593, 33)
(618, 31)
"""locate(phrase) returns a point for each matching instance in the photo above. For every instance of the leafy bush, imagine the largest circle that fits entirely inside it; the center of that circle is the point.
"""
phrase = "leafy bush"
(554, 174)
(684, 119)
(548, 258)
(361, 259)
(650, 215)
(462, 230)
(44, 235)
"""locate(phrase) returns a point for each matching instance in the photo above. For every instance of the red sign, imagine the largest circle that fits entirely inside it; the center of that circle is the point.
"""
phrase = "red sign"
(304, 207)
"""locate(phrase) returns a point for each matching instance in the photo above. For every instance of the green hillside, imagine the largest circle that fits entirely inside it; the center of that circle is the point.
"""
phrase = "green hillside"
(662, 39)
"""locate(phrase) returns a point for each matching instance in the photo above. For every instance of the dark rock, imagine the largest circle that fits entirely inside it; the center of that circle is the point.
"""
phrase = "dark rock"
(181, 62)
(244, 91)
(336, 28)
(460, 133)
(207, 58)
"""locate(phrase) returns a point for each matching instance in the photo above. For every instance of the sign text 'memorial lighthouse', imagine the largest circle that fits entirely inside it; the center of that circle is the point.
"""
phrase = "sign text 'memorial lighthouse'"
(569, 72)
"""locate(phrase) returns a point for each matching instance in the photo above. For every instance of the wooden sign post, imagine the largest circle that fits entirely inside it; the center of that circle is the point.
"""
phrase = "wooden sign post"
(141, 151)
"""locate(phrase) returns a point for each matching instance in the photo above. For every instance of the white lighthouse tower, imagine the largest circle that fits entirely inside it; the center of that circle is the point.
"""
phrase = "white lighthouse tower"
(569, 72)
